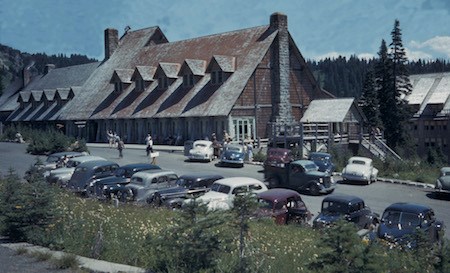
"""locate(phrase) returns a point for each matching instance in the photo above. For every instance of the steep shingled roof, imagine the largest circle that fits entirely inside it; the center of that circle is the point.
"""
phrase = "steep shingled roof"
(332, 110)
(237, 51)
(430, 89)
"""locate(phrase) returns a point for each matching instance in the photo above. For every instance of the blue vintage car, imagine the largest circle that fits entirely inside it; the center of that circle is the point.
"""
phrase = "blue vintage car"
(347, 207)
(233, 155)
(400, 221)
(323, 161)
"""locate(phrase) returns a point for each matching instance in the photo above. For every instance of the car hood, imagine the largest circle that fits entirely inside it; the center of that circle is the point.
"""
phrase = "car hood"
(212, 196)
(318, 173)
(198, 150)
(62, 171)
(328, 218)
(233, 154)
(172, 190)
(392, 232)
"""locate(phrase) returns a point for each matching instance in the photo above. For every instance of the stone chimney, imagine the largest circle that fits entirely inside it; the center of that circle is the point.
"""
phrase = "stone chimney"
(111, 41)
(27, 74)
(48, 68)
(282, 109)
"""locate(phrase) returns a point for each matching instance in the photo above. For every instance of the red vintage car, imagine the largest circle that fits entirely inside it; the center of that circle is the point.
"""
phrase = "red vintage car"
(284, 205)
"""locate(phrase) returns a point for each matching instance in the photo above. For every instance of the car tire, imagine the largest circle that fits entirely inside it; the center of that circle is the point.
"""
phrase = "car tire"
(273, 182)
(90, 192)
(314, 189)
(122, 196)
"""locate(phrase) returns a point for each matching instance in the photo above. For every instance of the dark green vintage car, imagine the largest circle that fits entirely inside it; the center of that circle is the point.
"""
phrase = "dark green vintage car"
(442, 184)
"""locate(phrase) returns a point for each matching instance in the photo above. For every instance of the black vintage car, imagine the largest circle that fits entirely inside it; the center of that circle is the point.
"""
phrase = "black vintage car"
(347, 207)
(400, 221)
(89, 171)
(105, 188)
(186, 186)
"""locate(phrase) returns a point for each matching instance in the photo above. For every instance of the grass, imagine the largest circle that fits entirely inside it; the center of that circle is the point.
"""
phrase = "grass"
(66, 261)
(41, 255)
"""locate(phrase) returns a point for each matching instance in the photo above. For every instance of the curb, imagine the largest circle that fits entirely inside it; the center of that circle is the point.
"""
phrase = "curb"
(84, 263)
(406, 182)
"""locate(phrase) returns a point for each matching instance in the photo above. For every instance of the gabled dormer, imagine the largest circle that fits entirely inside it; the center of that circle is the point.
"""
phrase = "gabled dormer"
(157, 37)
(48, 97)
(63, 95)
(121, 79)
(192, 71)
(36, 96)
(221, 67)
(167, 73)
(143, 76)
(24, 98)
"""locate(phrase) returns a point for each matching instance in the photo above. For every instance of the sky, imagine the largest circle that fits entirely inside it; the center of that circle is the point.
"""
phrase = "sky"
(320, 28)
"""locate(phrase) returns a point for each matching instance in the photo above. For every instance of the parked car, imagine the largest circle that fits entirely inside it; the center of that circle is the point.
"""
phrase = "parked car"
(442, 184)
(53, 161)
(360, 169)
(283, 205)
(202, 150)
(223, 191)
(62, 176)
(401, 220)
(299, 175)
(347, 207)
(278, 157)
(88, 171)
(323, 161)
(100, 187)
(233, 155)
(188, 185)
(145, 183)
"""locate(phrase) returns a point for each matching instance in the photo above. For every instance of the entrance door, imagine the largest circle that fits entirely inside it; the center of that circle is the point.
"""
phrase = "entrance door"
(243, 127)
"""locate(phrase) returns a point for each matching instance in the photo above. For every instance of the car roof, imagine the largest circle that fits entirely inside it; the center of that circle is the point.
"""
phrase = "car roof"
(200, 176)
(320, 154)
(348, 199)
(152, 173)
(207, 142)
(234, 181)
(303, 162)
(60, 154)
(97, 163)
(87, 158)
(283, 150)
(408, 207)
(140, 166)
(360, 158)
(445, 169)
(278, 193)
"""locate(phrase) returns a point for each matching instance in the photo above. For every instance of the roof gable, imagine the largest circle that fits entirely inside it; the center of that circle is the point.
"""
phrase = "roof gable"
(170, 70)
(344, 110)
(225, 63)
(195, 67)
(146, 73)
(122, 75)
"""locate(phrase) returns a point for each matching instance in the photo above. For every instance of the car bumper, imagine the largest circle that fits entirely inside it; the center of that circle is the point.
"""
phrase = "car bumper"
(198, 157)
(230, 161)
(355, 177)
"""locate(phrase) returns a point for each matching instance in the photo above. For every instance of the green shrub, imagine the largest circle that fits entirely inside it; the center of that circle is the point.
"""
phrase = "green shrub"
(259, 156)
(66, 261)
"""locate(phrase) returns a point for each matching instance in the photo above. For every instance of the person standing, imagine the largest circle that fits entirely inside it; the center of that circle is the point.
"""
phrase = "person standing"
(149, 144)
(120, 147)
(110, 136)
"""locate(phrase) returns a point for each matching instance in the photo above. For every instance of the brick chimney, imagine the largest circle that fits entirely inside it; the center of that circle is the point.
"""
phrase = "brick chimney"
(282, 110)
(48, 68)
(111, 41)
(27, 74)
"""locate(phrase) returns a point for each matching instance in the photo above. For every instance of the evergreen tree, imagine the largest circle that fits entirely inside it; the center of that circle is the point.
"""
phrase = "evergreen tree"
(369, 101)
(402, 85)
(382, 82)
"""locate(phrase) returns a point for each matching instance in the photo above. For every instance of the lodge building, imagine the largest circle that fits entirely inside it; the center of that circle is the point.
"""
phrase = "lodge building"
(238, 81)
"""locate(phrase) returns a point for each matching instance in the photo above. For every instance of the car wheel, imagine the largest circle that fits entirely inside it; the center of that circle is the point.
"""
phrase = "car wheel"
(90, 192)
(273, 182)
(122, 196)
(369, 181)
(314, 189)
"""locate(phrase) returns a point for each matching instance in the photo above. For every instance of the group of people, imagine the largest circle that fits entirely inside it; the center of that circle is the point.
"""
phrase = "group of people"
(115, 141)
(247, 143)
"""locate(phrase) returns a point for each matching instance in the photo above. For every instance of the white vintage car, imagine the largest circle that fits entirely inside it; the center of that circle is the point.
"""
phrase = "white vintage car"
(360, 169)
(202, 150)
(224, 190)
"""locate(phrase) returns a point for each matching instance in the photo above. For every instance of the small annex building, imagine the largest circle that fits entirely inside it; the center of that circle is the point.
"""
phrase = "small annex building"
(238, 81)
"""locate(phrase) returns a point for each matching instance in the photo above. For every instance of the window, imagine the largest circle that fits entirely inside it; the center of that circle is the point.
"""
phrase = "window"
(140, 85)
(188, 80)
(216, 77)
(118, 87)
(163, 82)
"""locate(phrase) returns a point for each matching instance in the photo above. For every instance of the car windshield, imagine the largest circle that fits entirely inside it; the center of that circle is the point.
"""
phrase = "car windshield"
(359, 162)
(220, 188)
(200, 145)
(265, 204)
(72, 164)
(333, 207)
(184, 182)
(52, 159)
(119, 172)
(446, 174)
(318, 158)
(233, 149)
(310, 167)
(401, 219)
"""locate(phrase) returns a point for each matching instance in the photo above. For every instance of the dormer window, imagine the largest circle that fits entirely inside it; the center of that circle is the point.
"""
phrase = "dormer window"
(163, 82)
(216, 77)
(140, 85)
(118, 86)
(188, 80)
